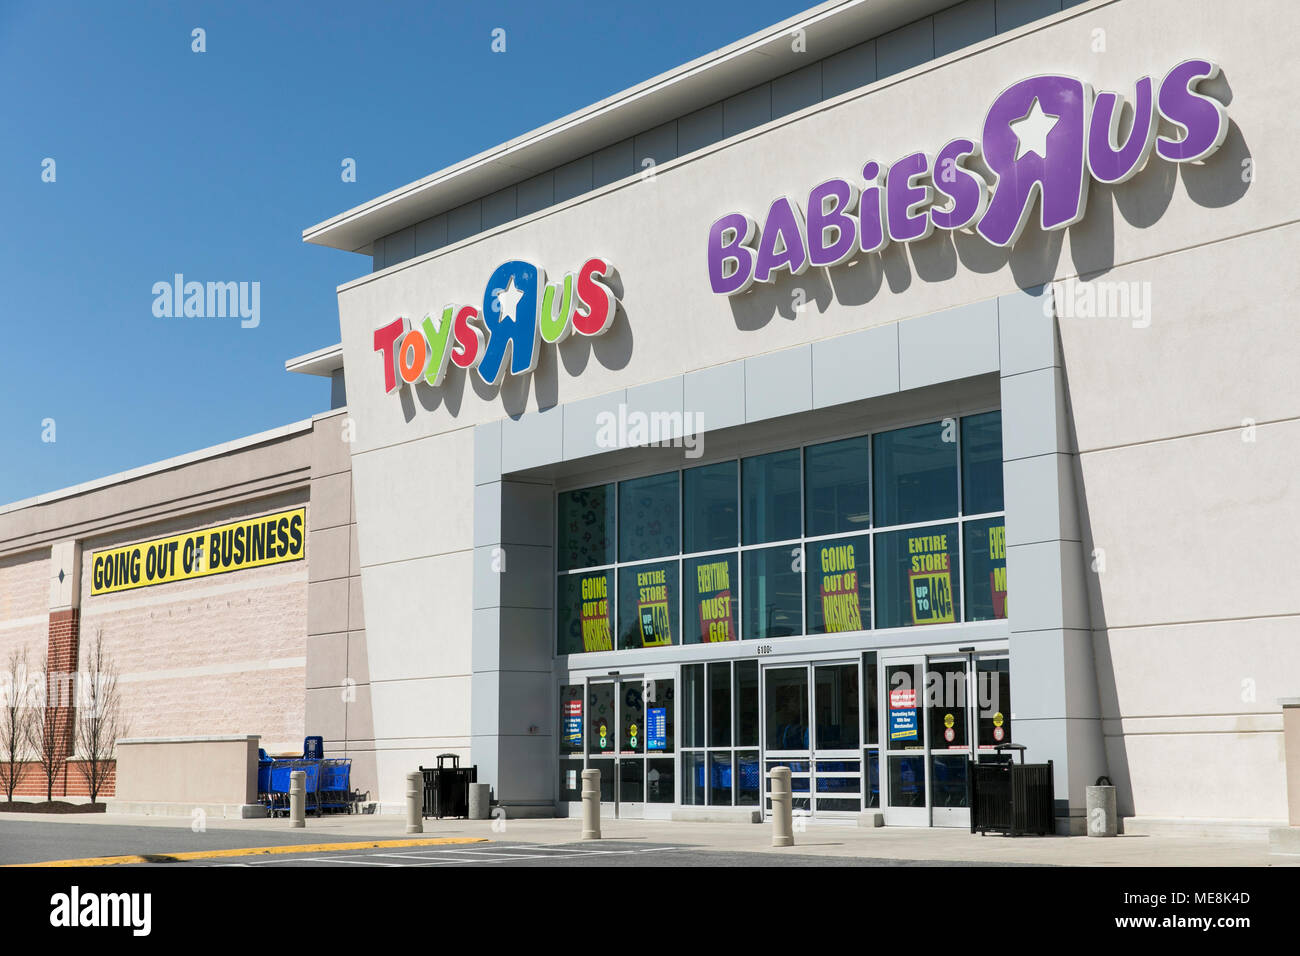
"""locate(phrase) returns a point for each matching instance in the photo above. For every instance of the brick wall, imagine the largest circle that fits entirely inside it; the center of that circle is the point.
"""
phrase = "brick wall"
(223, 654)
(24, 605)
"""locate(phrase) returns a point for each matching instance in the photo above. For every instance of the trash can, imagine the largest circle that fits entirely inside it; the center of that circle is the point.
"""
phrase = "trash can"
(446, 787)
(1014, 798)
(1100, 803)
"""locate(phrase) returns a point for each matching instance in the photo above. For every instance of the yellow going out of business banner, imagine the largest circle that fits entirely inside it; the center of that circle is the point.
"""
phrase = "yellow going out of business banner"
(270, 539)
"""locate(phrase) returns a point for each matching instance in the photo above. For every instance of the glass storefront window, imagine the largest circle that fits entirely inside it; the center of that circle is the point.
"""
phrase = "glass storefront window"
(585, 612)
(790, 542)
(600, 718)
(993, 701)
(693, 779)
(647, 605)
(915, 473)
(945, 701)
(747, 705)
(869, 700)
(711, 585)
(787, 708)
(710, 518)
(836, 693)
(693, 703)
(916, 577)
(660, 781)
(981, 463)
(948, 781)
(837, 487)
(838, 573)
(772, 588)
(571, 700)
(747, 778)
(661, 722)
(904, 693)
(648, 517)
(632, 730)
(770, 497)
(873, 779)
(584, 525)
(720, 705)
(720, 778)
(986, 569)
(907, 781)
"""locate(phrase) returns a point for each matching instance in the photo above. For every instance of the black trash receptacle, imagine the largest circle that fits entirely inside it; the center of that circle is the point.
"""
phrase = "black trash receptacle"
(446, 787)
(1014, 798)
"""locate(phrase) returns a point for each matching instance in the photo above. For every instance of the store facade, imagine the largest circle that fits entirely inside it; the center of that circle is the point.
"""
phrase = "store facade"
(709, 429)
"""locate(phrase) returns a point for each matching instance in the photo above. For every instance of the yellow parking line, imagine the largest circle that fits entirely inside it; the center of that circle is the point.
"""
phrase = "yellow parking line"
(253, 851)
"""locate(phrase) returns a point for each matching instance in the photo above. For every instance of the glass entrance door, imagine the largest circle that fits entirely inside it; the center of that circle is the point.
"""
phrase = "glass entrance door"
(939, 711)
(629, 727)
(904, 789)
(813, 725)
(948, 707)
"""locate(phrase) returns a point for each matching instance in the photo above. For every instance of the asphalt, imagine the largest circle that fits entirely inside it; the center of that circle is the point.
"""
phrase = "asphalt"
(607, 853)
(35, 838)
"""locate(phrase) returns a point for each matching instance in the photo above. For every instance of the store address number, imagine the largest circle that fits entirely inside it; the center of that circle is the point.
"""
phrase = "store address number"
(763, 649)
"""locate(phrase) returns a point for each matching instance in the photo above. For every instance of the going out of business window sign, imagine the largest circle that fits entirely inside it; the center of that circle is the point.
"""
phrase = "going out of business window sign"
(252, 543)
(1044, 138)
(520, 311)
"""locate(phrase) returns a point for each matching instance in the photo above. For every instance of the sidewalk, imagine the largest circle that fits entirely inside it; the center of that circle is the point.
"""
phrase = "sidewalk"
(819, 839)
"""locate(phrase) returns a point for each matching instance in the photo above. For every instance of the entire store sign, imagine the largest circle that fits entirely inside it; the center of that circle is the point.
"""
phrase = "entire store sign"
(1043, 138)
(270, 539)
(520, 311)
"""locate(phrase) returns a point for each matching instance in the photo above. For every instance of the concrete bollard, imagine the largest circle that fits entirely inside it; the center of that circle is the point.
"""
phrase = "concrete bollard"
(1102, 819)
(415, 802)
(480, 801)
(297, 798)
(591, 804)
(782, 808)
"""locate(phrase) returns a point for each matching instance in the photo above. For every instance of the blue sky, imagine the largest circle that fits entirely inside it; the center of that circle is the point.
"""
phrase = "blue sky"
(211, 164)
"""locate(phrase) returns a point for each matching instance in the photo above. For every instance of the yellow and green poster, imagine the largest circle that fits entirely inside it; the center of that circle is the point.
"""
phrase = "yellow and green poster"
(597, 635)
(841, 607)
(998, 572)
(713, 585)
(930, 577)
(652, 607)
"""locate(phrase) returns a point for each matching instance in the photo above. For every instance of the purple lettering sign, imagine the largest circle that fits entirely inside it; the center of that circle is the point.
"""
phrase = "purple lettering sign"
(1043, 140)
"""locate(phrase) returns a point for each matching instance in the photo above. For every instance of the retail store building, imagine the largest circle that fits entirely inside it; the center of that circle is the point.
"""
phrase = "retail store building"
(1027, 431)
(904, 379)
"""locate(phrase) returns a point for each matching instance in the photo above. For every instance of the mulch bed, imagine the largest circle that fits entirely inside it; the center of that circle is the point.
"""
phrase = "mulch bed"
(52, 806)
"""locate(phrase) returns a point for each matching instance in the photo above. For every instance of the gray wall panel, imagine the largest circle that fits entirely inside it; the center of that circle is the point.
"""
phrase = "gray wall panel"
(849, 69)
(964, 24)
(905, 48)
(699, 129)
(855, 366)
(779, 383)
(794, 91)
(944, 346)
(717, 394)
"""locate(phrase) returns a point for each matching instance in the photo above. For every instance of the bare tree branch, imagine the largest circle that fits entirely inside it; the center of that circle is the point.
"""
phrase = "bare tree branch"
(99, 715)
(15, 718)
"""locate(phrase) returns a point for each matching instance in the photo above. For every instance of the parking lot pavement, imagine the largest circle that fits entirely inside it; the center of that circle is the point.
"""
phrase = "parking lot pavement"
(608, 853)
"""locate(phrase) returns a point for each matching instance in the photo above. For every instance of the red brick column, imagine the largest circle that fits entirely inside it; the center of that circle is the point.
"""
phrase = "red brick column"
(65, 636)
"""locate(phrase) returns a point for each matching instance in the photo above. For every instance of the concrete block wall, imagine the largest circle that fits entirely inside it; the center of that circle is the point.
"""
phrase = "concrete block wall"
(337, 675)
(223, 654)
